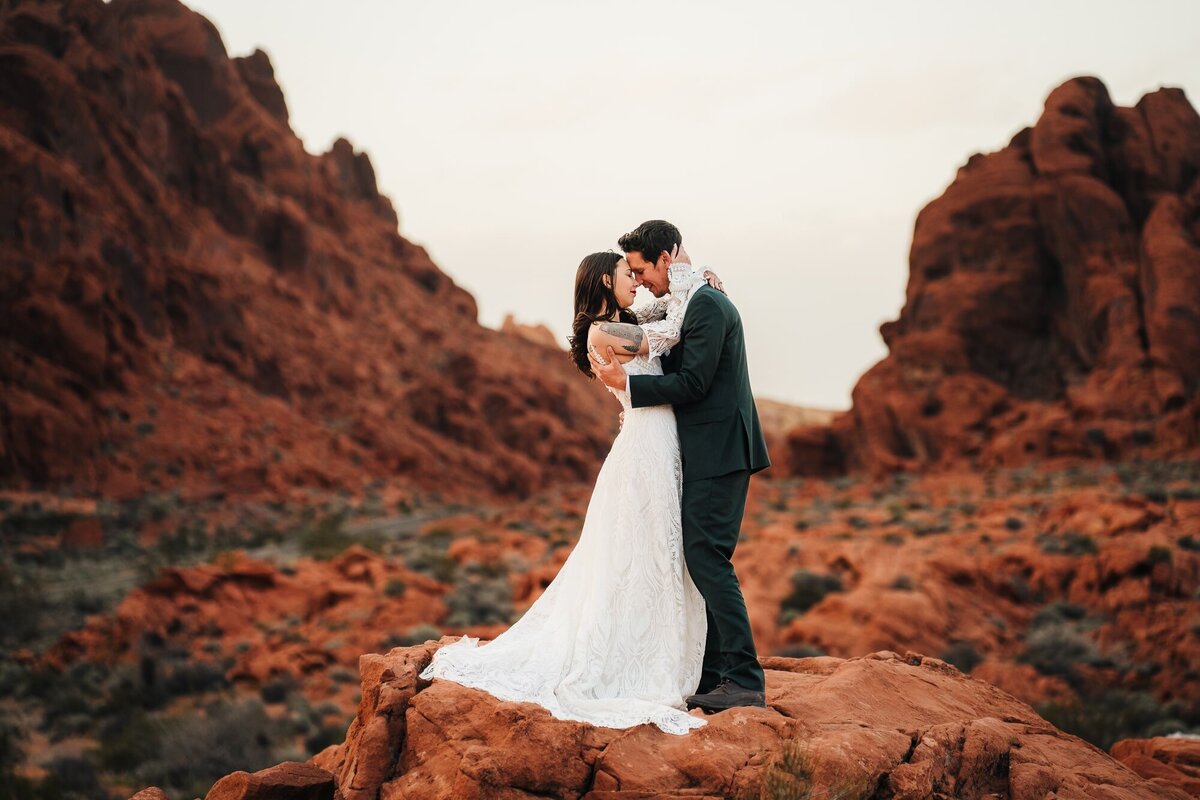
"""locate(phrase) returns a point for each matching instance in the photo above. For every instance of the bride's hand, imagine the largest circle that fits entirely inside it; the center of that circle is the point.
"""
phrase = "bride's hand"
(714, 281)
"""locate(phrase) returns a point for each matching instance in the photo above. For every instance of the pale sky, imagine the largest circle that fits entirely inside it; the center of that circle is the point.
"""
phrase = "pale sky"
(792, 143)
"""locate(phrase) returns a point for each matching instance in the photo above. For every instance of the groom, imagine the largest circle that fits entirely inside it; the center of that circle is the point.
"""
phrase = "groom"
(706, 380)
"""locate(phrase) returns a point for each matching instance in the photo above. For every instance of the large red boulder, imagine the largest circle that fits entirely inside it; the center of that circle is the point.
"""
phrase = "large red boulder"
(1053, 302)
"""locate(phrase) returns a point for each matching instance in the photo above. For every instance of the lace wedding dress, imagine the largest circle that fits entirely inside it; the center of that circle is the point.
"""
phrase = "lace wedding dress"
(617, 638)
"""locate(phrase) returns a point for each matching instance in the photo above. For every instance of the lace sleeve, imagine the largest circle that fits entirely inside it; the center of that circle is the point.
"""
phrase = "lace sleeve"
(663, 334)
(648, 312)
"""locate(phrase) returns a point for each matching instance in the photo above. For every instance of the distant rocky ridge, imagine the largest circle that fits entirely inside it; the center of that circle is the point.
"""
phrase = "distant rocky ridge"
(1053, 302)
(193, 301)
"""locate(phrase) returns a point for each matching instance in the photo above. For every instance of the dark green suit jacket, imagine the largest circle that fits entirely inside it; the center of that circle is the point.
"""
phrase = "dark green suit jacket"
(706, 380)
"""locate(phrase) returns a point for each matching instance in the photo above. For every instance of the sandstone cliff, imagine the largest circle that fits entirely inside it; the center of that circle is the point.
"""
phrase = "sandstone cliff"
(1053, 302)
(193, 300)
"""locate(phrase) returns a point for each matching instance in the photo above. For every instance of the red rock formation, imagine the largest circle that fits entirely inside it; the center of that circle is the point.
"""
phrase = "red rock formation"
(538, 334)
(883, 725)
(1164, 760)
(193, 300)
(291, 780)
(957, 562)
(300, 623)
(1053, 302)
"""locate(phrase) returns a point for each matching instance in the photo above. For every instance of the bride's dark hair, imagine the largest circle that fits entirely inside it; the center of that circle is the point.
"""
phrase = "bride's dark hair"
(593, 301)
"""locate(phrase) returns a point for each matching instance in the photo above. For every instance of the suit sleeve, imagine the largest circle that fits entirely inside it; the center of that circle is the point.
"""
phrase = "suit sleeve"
(704, 332)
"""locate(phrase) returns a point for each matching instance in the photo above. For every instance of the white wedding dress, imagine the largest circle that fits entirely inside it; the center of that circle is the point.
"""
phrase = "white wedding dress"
(617, 638)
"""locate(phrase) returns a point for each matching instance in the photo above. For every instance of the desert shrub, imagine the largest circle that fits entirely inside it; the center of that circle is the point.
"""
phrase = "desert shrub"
(31, 520)
(788, 776)
(128, 742)
(1056, 648)
(1105, 717)
(73, 776)
(277, 689)
(418, 634)
(188, 540)
(1016, 587)
(201, 747)
(799, 651)
(66, 698)
(21, 605)
(929, 528)
(427, 555)
(395, 587)
(903, 583)
(324, 736)
(325, 538)
(14, 678)
(480, 599)
(1057, 612)
(12, 754)
(962, 655)
(195, 677)
(343, 675)
(1069, 543)
(1158, 555)
(808, 589)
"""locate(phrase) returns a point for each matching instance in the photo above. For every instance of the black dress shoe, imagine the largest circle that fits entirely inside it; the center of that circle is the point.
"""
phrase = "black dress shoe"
(701, 692)
(727, 695)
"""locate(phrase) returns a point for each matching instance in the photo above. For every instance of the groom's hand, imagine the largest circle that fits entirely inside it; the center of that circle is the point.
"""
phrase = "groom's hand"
(608, 370)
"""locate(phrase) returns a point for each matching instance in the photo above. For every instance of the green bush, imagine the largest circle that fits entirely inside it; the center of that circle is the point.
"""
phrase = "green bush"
(129, 742)
(1055, 648)
(195, 677)
(427, 555)
(962, 655)
(21, 606)
(343, 675)
(799, 651)
(788, 776)
(203, 746)
(418, 634)
(1058, 612)
(1069, 543)
(324, 736)
(808, 589)
(479, 599)
(277, 689)
(326, 538)
(1114, 714)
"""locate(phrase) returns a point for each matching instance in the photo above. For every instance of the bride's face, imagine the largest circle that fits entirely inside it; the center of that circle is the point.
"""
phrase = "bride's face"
(624, 284)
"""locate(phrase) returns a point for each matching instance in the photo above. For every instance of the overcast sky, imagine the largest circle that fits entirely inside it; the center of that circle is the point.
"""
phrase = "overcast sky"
(792, 143)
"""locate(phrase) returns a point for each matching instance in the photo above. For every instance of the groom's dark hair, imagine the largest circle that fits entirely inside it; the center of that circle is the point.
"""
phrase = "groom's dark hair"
(650, 239)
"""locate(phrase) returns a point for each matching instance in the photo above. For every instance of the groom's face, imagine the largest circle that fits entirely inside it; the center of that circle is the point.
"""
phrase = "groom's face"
(651, 274)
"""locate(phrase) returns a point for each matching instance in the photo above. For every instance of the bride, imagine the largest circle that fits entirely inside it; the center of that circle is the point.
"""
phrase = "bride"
(617, 638)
